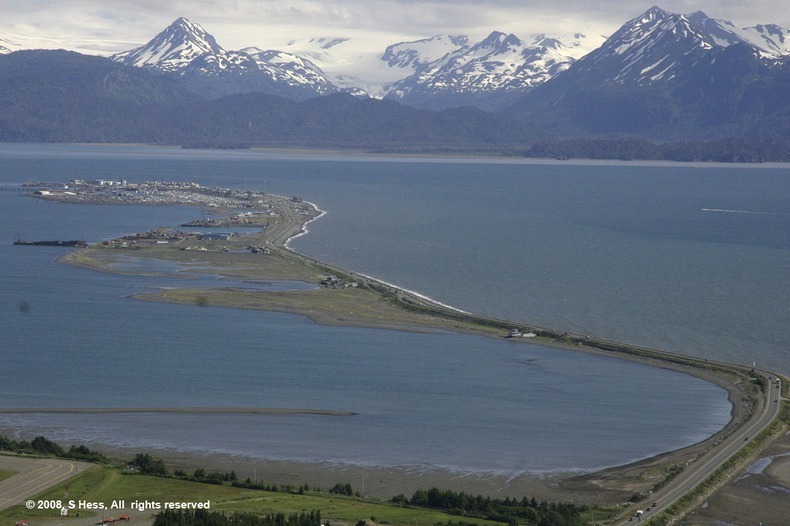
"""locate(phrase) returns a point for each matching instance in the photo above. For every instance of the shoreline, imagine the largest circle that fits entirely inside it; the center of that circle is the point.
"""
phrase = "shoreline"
(385, 482)
(425, 314)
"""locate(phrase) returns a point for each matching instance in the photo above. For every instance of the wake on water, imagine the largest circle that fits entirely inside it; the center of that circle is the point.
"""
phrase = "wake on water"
(724, 210)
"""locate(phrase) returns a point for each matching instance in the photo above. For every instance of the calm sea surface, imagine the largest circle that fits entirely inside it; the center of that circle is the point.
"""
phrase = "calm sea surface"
(693, 259)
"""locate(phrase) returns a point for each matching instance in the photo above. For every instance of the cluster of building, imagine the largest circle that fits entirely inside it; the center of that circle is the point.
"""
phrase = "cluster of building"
(153, 236)
(150, 192)
(242, 219)
(333, 282)
(516, 333)
(258, 210)
(159, 236)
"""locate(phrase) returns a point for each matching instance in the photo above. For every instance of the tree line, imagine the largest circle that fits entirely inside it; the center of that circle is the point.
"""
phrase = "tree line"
(734, 149)
(43, 446)
(510, 510)
(217, 518)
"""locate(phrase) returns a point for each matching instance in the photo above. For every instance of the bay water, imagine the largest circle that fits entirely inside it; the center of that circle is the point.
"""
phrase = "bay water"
(692, 259)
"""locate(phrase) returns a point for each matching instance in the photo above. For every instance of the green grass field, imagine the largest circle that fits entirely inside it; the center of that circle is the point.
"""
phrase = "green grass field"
(4, 474)
(105, 485)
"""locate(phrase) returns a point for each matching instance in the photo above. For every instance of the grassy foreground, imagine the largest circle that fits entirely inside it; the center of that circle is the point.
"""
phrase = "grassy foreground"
(104, 485)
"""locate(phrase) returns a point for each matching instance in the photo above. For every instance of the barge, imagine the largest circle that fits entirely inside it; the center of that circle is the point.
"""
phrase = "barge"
(57, 243)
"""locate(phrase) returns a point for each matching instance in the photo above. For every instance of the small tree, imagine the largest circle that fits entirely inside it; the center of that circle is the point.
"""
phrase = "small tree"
(147, 465)
(342, 489)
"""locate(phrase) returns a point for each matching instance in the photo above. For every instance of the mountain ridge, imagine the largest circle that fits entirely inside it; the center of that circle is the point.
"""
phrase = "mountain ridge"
(662, 76)
(435, 72)
(187, 50)
(484, 74)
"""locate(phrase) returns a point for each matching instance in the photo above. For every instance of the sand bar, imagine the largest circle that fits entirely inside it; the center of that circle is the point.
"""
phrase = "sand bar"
(176, 410)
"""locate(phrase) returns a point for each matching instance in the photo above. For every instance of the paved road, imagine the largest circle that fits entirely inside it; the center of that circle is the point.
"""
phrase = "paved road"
(34, 475)
(286, 230)
(698, 471)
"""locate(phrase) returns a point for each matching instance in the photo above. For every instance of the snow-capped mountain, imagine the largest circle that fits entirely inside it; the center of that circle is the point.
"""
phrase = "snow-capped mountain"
(666, 74)
(418, 54)
(187, 50)
(352, 64)
(290, 69)
(173, 49)
(445, 70)
(659, 46)
(421, 72)
(770, 38)
(499, 64)
(653, 47)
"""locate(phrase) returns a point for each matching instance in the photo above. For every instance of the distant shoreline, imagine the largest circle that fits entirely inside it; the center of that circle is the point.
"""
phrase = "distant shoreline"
(448, 156)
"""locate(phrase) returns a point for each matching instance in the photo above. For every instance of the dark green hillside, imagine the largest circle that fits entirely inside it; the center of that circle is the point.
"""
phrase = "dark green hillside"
(56, 96)
(728, 92)
(59, 96)
(338, 121)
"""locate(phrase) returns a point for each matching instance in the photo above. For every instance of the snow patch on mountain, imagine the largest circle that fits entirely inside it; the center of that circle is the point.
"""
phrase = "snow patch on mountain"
(415, 55)
(653, 47)
(499, 63)
(659, 47)
(650, 48)
(290, 68)
(174, 48)
(770, 39)
(7, 46)
(185, 48)
(346, 64)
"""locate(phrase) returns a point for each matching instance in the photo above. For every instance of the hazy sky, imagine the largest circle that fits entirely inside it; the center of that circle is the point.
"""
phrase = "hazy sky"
(107, 26)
